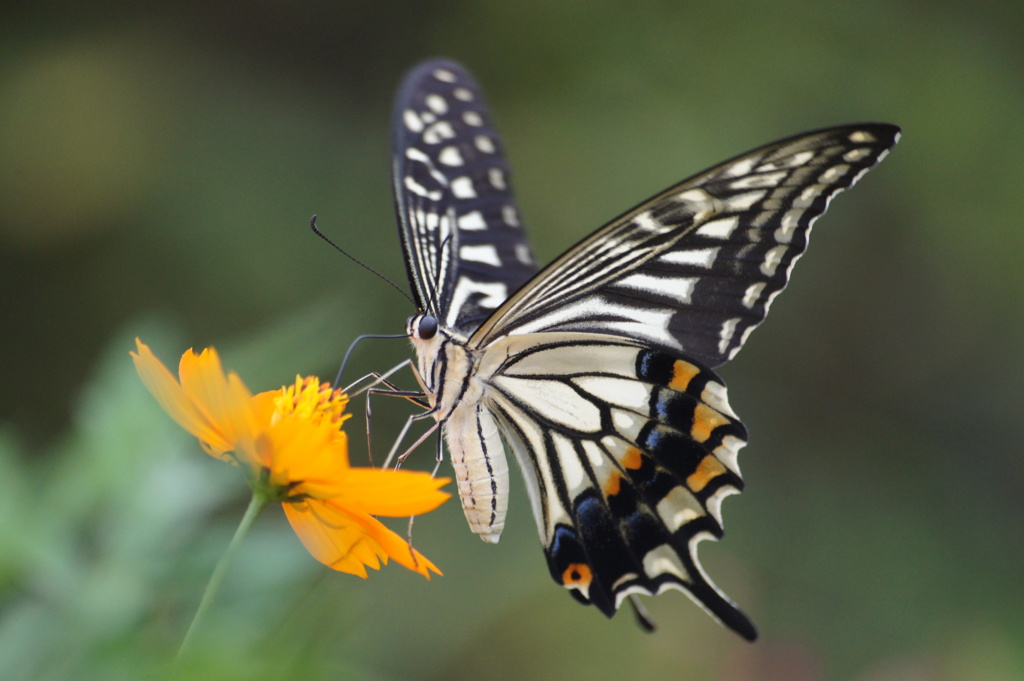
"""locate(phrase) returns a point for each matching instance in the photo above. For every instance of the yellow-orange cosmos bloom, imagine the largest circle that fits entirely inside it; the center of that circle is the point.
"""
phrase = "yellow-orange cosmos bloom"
(291, 445)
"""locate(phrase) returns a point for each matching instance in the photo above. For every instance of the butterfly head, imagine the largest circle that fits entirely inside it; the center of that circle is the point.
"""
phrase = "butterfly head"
(426, 336)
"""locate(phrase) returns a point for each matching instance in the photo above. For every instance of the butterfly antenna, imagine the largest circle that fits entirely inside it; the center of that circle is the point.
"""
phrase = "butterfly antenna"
(348, 353)
(316, 230)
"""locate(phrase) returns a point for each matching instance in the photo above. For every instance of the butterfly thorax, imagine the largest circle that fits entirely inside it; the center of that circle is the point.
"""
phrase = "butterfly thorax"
(454, 384)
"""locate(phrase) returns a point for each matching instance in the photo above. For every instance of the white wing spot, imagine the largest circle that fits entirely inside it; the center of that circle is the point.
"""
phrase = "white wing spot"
(431, 220)
(741, 167)
(451, 156)
(719, 229)
(484, 144)
(808, 195)
(415, 154)
(755, 181)
(595, 455)
(438, 132)
(472, 221)
(728, 452)
(663, 560)
(726, 333)
(790, 221)
(418, 189)
(463, 94)
(717, 397)
(645, 222)
(695, 196)
(412, 121)
(772, 260)
(494, 294)
(862, 136)
(622, 320)
(854, 155)
(428, 117)
(752, 294)
(486, 254)
(497, 179)
(834, 173)
(704, 257)
(523, 254)
(462, 188)
(795, 160)
(680, 288)
(444, 75)
(679, 507)
(743, 201)
(509, 215)
(714, 503)
(472, 118)
(626, 423)
(436, 103)
(622, 391)
(572, 468)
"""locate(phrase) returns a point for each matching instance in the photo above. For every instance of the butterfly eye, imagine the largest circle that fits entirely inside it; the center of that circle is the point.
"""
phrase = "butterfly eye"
(427, 328)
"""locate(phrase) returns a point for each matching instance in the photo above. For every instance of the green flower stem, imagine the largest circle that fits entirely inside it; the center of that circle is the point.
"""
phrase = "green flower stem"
(256, 505)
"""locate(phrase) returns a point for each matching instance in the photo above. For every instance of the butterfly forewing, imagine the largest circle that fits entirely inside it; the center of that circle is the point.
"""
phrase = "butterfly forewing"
(465, 249)
(694, 269)
(597, 371)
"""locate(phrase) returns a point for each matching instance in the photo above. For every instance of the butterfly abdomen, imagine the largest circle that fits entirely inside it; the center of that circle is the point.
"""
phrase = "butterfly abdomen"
(470, 431)
(481, 469)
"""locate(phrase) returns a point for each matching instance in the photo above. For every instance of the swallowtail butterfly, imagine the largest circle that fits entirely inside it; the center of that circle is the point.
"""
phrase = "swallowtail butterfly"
(596, 371)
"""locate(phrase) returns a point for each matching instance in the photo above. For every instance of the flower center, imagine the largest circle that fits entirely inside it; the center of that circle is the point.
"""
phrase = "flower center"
(308, 398)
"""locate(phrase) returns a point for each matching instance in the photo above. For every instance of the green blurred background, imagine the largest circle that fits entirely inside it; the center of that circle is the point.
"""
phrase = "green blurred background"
(159, 164)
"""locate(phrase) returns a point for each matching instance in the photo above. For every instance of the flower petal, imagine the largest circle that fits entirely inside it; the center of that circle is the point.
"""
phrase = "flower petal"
(386, 493)
(389, 542)
(177, 403)
(224, 398)
(332, 538)
(346, 539)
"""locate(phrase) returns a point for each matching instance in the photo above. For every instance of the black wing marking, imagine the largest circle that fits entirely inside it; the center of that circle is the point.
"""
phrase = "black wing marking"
(465, 249)
(694, 269)
(628, 453)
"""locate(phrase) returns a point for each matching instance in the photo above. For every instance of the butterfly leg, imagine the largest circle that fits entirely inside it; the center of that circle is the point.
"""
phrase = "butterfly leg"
(433, 474)
(405, 431)
(372, 381)
(414, 396)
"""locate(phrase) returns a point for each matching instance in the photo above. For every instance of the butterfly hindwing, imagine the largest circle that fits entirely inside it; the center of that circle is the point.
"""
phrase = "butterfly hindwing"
(597, 370)
(628, 453)
(694, 269)
(465, 248)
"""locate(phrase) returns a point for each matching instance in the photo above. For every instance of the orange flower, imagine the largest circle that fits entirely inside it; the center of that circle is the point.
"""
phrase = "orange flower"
(293, 450)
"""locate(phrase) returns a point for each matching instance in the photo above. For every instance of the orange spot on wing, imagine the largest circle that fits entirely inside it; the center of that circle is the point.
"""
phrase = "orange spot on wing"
(614, 484)
(682, 374)
(633, 459)
(708, 469)
(577, 574)
(705, 420)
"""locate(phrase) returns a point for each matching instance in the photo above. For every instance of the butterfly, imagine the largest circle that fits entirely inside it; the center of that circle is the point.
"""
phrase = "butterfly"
(597, 370)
